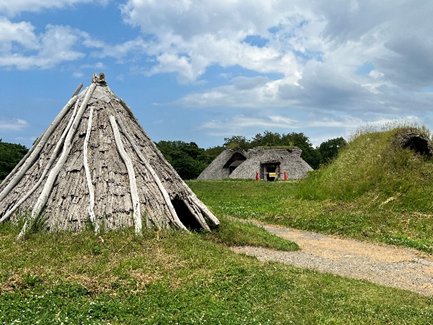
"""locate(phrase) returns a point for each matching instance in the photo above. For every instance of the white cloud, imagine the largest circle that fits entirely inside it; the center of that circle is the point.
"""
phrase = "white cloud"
(315, 47)
(12, 8)
(192, 35)
(12, 124)
(336, 63)
(21, 34)
(22, 48)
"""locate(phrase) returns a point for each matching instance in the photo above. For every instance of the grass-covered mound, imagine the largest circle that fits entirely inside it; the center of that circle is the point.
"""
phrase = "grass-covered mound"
(374, 162)
(377, 189)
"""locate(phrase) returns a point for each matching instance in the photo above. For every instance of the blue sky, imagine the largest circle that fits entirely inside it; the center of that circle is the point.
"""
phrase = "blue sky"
(205, 70)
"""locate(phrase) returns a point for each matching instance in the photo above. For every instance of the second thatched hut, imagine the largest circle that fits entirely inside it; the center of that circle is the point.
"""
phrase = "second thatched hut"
(259, 163)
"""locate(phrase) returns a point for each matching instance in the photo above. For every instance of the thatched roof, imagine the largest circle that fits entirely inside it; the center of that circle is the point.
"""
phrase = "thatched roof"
(227, 166)
(219, 168)
(95, 164)
(288, 160)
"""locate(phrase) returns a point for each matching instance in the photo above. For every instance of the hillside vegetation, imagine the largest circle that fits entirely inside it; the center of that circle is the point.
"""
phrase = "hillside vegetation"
(373, 164)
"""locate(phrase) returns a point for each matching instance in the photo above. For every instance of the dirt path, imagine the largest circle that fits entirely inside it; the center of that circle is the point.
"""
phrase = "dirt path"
(386, 265)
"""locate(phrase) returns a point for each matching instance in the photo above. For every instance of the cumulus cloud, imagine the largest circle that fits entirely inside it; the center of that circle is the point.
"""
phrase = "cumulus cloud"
(23, 48)
(301, 40)
(320, 128)
(192, 35)
(322, 61)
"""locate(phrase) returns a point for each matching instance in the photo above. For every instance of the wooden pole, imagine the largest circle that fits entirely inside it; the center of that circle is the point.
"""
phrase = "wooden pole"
(175, 219)
(131, 174)
(53, 157)
(89, 176)
(28, 162)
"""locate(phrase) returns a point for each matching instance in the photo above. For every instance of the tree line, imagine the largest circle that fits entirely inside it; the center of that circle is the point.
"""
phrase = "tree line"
(189, 160)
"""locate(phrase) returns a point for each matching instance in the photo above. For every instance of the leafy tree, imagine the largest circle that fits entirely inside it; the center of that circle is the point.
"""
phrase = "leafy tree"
(236, 141)
(267, 139)
(10, 155)
(189, 160)
(310, 154)
(186, 158)
(329, 149)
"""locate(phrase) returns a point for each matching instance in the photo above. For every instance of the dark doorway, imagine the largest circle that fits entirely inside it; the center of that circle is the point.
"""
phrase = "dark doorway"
(236, 159)
(185, 216)
(270, 171)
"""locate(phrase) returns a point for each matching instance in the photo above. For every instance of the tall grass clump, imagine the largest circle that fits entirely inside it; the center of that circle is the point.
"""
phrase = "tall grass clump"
(373, 164)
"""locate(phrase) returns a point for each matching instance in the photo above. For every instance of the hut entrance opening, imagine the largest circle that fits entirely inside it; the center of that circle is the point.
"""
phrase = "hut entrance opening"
(185, 215)
(235, 160)
(417, 144)
(270, 171)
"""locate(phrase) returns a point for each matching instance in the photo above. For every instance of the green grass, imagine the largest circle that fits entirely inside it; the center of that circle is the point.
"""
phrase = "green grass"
(234, 233)
(178, 278)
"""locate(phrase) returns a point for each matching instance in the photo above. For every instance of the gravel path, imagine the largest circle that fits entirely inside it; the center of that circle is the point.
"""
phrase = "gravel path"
(386, 265)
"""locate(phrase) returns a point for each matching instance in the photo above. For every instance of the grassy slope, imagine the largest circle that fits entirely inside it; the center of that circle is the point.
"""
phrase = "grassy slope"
(176, 278)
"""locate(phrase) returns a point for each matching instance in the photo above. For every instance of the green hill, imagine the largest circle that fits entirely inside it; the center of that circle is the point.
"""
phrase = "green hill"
(376, 189)
(375, 164)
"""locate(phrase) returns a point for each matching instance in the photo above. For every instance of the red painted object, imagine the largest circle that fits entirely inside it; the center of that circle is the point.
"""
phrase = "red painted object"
(285, 176)
(257, 176)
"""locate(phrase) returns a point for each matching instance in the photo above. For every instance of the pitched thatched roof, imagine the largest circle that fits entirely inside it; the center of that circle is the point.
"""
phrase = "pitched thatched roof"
(95, 163)
(222, 165)
(288, 160)
(257, 160)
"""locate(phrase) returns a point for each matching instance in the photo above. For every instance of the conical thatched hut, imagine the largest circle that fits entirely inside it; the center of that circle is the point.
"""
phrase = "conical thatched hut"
(95, 164)
(223, 165)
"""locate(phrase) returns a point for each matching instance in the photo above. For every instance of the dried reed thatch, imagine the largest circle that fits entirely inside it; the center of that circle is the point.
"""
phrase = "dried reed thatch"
(223, 165)
(260, 160)
(95, 165)
(238, 164)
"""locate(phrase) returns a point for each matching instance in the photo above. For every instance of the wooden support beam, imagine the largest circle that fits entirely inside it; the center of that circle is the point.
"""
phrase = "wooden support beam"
(174, 217)
(131, 174)
(89, 176)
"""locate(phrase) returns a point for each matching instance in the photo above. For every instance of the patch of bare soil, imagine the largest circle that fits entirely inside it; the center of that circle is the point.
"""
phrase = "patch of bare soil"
(382, 264)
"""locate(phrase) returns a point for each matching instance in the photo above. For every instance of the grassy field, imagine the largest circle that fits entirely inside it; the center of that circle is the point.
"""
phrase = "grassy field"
(367, 218)
(194, 278)
(179, 278)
